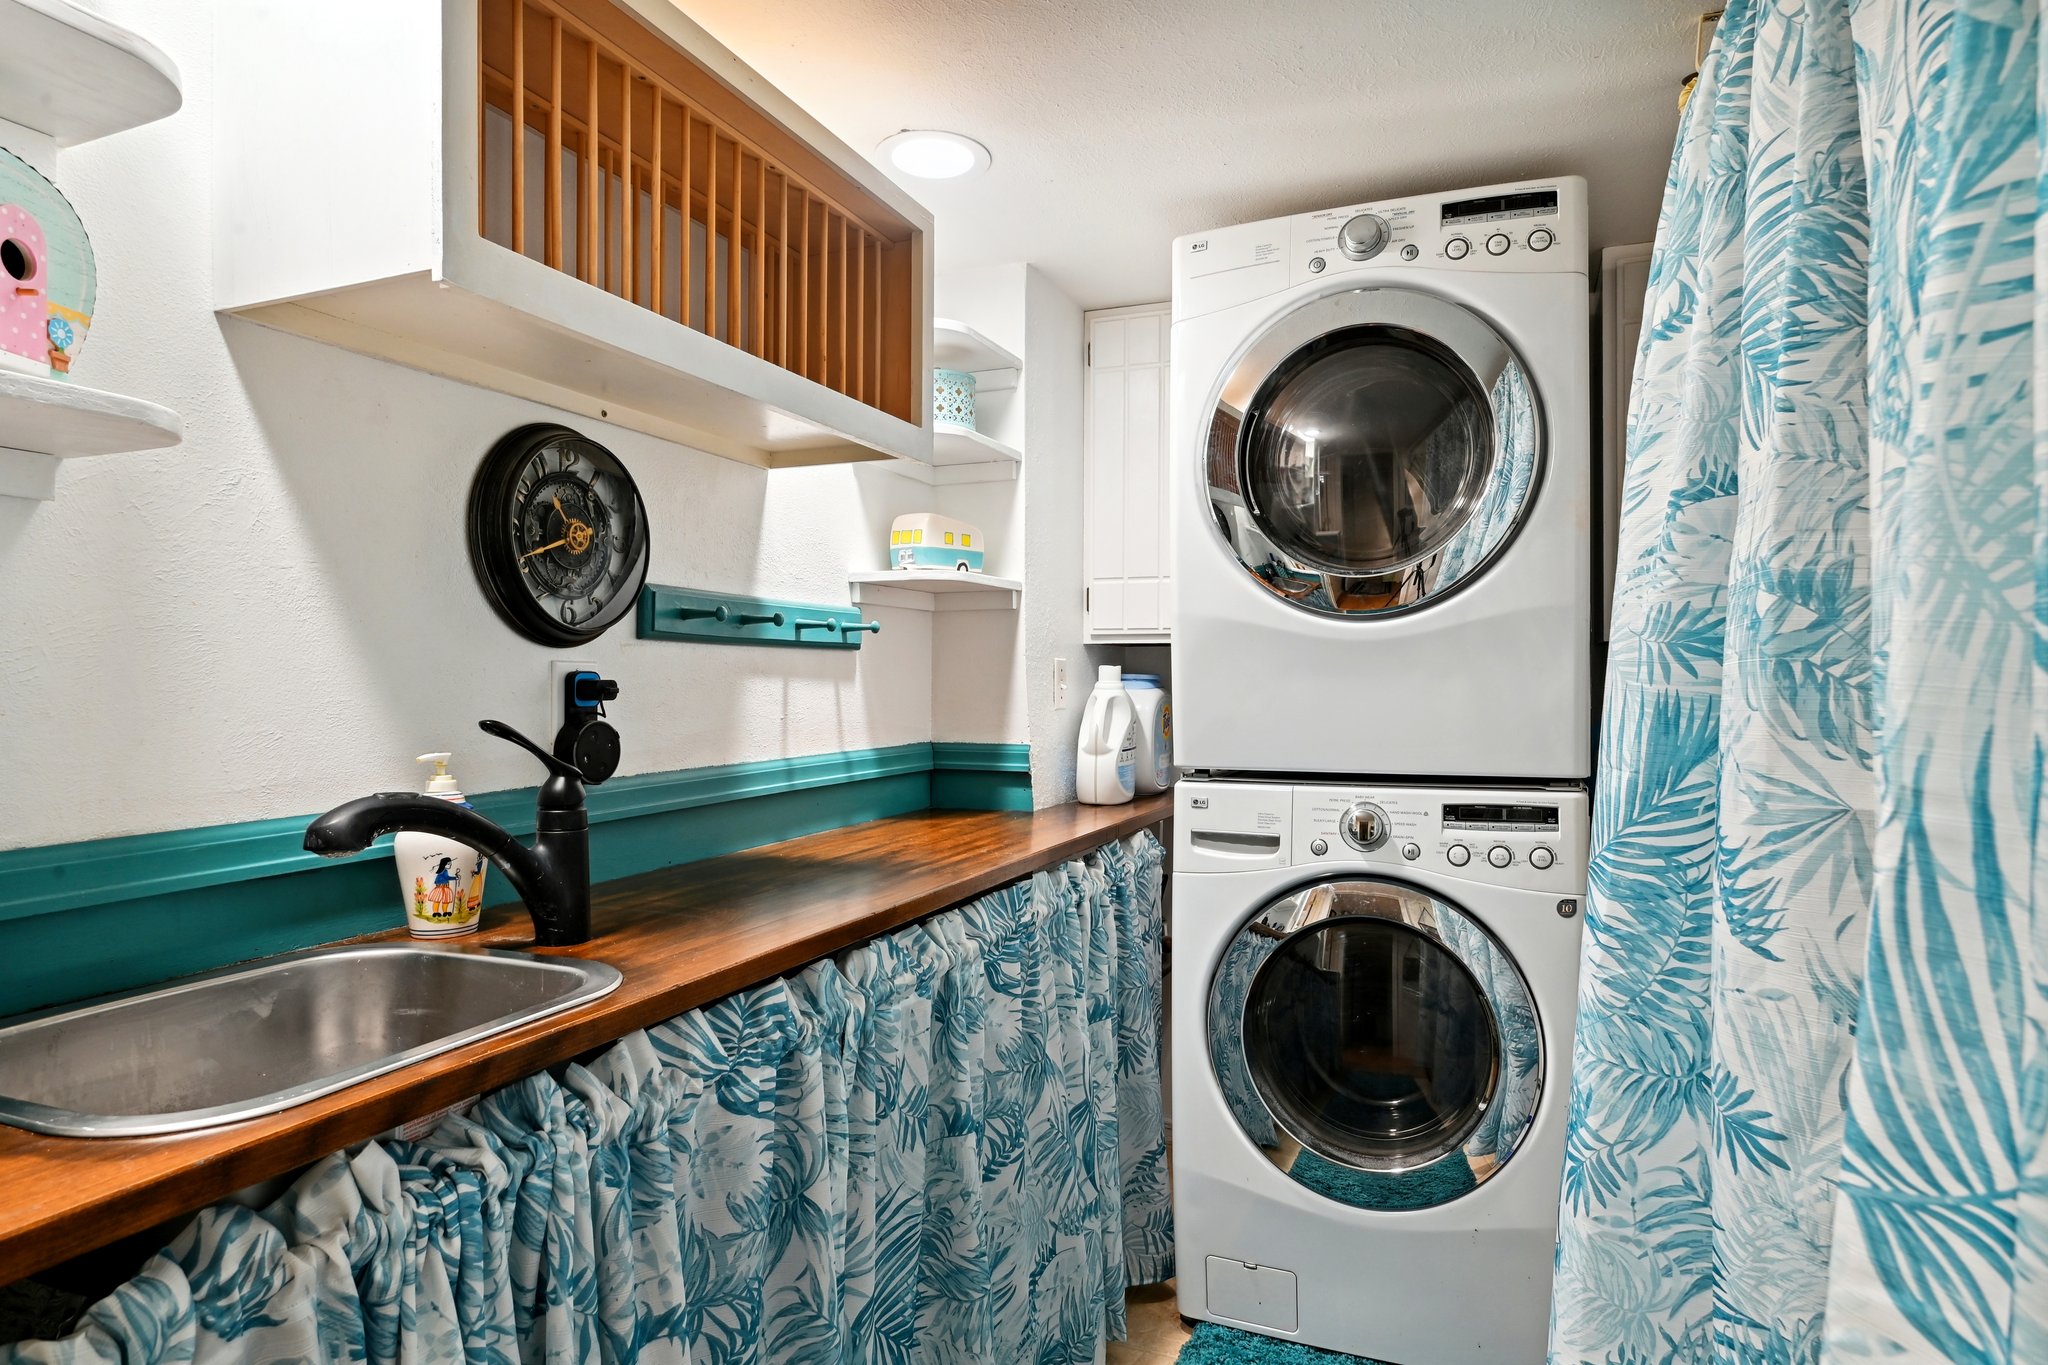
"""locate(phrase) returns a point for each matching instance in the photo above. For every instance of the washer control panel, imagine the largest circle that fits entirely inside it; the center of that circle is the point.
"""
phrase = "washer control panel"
(1533, 838)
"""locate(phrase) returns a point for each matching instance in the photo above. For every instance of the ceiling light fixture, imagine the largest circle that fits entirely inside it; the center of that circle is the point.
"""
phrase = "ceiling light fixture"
(930, 154)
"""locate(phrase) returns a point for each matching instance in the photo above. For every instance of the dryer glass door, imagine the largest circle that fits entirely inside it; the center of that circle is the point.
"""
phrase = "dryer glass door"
(1372, 451)
(1376, 1043)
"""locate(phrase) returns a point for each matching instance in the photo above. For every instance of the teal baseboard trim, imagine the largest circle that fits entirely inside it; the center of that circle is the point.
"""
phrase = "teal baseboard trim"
(42, 881)
(105, 915)
(981, 776)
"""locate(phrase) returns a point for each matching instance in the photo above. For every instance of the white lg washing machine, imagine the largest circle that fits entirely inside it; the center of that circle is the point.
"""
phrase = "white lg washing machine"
(1382, 493)
(1374, 991)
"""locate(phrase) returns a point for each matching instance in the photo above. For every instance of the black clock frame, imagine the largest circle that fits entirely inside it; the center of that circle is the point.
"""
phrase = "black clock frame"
(495, 553)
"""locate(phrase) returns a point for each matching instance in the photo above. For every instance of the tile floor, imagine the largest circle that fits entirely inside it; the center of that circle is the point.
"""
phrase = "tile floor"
(1156, 1331)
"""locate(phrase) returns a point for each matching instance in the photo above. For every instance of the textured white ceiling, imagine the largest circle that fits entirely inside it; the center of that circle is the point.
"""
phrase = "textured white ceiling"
(1117, 125)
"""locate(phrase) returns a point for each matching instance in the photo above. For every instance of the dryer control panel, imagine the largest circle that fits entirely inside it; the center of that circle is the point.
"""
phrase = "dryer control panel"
(1533, 227)
(1531, 838)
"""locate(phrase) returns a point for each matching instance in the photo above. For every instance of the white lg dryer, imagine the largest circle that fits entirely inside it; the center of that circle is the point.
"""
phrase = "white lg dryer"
(1374, 992)
(1381, 490)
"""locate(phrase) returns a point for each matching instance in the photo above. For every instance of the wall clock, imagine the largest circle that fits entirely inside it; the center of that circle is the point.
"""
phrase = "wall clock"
(557, 534)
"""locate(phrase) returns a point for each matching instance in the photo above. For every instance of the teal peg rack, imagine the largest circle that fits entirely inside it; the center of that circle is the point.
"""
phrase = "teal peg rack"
(727, 619)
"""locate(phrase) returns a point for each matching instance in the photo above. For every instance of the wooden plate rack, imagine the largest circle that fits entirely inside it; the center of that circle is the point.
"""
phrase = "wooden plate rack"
(640, 173)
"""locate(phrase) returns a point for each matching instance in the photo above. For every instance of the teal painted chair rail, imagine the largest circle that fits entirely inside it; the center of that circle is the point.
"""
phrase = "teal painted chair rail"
(726, 619)
(981, 776)
(109, 914)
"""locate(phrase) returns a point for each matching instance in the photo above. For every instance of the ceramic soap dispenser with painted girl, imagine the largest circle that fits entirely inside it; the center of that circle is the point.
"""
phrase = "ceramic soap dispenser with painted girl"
(442, 881)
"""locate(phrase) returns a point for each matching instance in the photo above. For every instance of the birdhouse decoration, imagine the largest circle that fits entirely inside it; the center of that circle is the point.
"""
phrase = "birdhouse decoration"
(47, 279)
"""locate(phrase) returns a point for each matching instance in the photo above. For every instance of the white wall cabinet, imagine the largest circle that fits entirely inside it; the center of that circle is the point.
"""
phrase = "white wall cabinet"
(1624, 280)
(369, 194)
(1124, 473)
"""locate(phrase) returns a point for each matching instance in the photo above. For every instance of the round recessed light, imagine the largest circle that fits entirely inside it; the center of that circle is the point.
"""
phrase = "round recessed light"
(930, 154)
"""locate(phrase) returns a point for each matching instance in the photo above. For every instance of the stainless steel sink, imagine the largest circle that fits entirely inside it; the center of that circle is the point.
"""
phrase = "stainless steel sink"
(262, 1037)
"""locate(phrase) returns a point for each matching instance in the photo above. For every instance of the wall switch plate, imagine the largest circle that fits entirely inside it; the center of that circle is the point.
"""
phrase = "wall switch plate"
(1059, 684)
(558, 671)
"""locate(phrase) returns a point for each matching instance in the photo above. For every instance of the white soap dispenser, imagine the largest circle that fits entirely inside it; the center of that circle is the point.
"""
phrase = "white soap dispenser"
(441, 881)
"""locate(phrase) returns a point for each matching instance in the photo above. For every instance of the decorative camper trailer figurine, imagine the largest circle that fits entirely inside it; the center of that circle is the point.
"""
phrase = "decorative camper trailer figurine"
(926, 540)
(47, 278)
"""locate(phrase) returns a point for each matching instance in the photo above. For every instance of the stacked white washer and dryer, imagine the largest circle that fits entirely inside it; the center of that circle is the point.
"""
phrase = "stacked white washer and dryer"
(1382, 510)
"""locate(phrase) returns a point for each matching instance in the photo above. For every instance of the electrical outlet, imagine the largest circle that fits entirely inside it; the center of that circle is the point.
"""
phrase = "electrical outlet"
(1059, 684)
(559, 669)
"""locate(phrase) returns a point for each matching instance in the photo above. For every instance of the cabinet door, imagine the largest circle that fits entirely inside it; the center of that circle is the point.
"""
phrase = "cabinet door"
(1124, 460)
(1624, 280)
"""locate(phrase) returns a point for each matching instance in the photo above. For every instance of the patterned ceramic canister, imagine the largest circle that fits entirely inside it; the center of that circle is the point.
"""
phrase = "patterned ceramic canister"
(953, 398)
(47, 280)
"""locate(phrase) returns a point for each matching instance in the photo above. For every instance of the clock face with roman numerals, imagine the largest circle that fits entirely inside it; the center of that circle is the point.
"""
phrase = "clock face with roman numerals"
(557, 534)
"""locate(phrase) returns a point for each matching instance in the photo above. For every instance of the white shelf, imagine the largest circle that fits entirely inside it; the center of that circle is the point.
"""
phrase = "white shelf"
(45, 420)
(962, 456)
(936, 590)
(953, 445)
(75, 76)
(956, 346)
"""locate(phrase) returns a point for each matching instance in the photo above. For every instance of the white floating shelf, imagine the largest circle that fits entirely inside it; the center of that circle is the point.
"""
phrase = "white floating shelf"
(956, 346)
(43, 421)
(962, 455)
(936, 590)
(75, 76)
(953, 445)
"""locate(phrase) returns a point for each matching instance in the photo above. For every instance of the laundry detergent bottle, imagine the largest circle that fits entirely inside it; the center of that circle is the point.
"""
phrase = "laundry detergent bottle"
(440, 880)
(1155, 731)
(1106, 771)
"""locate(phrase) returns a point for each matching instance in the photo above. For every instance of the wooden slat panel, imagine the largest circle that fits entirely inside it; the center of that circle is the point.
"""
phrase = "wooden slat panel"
(629, 279)
(812, 278)
(803, 289)
(519, 126)
(782, 270)
(735, 266)
(689, 215)
(657, 201)
(757, 332)
(593, 178)
(711, 229)
(552, 246)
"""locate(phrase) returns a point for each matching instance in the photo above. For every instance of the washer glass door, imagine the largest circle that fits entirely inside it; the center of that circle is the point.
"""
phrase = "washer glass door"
(1372, 451)
(1377, 1044)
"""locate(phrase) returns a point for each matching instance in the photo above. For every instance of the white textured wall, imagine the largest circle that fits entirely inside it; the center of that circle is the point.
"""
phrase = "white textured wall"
(1053, 568)
(280, 613)
(978, 680)
(992, 671)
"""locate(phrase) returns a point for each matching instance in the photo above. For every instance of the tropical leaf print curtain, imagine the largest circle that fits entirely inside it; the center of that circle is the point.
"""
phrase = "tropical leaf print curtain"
(944, 1146)
(1811, 1079)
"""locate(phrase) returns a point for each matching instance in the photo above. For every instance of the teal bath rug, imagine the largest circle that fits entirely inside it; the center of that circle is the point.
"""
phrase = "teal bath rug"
(1214, 1344)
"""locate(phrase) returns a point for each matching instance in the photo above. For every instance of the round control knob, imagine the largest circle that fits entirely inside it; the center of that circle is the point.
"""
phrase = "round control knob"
(1319, 846)
(1363, 238)
(1540, 858)
(1411, 851)
(1364, 826)
(1500, 855)
(1497, 243)
(1457, 855)
(1541, 239)
(1457, 248)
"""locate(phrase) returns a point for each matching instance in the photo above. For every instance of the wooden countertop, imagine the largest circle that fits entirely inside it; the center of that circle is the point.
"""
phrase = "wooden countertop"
(683, 937)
